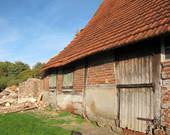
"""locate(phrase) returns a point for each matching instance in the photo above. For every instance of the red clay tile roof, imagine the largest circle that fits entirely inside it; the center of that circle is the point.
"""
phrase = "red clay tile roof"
(116, 23)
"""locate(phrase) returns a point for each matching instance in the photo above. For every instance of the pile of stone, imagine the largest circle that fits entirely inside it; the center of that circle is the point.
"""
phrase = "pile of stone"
(26, 96)
(9, 96)
(29, 90)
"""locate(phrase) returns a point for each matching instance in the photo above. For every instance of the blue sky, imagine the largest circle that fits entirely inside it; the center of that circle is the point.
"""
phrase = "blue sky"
(35, 30)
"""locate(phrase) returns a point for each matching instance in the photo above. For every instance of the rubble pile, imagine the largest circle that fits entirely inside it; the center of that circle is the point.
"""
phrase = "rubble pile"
(29, 90)
(9, 96)
(25, 97)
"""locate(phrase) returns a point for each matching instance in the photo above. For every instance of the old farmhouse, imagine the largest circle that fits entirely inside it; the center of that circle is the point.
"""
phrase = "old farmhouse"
(116, 71)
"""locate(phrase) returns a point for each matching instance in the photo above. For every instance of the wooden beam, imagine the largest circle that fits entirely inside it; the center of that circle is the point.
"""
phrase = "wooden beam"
(142, 85)
(144, 119)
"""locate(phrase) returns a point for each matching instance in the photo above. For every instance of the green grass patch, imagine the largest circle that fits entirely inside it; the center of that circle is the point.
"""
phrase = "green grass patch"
(28, 124)
(79, 119)
(58, 121)
(64, 114)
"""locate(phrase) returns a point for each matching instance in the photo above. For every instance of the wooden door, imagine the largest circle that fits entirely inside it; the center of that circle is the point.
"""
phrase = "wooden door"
(136, 90)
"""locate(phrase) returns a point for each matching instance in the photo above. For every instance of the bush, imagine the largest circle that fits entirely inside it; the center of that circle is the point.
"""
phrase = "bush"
(24, 75)
(13, 82)
(3, 83)
(15, 73)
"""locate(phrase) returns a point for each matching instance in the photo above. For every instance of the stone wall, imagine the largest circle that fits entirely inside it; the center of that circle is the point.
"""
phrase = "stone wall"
(165, 107)
(70, 102)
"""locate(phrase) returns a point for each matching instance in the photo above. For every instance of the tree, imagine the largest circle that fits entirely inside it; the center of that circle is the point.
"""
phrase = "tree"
(36, 70)
(24, 75)
(4, 69)
(13, 69)
(3, 83)
(15, 73)
(19, 67)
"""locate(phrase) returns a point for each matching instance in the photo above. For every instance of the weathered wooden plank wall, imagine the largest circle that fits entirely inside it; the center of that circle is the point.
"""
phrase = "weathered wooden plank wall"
(136, 103)
(134, 72)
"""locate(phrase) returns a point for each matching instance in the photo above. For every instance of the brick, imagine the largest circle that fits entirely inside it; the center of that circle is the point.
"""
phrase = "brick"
(78, 83)
(101, 70)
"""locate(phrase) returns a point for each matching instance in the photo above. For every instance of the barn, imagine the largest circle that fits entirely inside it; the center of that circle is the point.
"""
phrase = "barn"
(116, 71)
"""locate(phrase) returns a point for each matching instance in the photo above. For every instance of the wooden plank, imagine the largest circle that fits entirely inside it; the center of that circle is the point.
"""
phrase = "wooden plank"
(135, 85)
(139, 112)
(156, 72)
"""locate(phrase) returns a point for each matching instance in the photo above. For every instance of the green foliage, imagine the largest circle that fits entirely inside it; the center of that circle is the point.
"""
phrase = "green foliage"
(24, 75)
(17, 67)
(36, 70)
(3, 69)
(25, 124)
(15, 73)
(3, 82)
(12, 80)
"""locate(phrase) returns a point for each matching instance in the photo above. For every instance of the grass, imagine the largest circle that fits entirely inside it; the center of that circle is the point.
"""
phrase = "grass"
(28, 124)
(64, 114)
(58, 121)
(79, 119)
(40, 123)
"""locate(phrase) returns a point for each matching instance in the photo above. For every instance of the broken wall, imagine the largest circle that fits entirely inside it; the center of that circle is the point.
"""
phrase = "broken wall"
(29, 90)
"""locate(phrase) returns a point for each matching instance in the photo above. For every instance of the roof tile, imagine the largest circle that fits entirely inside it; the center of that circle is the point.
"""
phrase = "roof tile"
(116, 23)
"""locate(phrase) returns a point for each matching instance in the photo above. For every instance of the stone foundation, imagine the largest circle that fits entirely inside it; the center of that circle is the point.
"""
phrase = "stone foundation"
(102, 104)
(70, 102)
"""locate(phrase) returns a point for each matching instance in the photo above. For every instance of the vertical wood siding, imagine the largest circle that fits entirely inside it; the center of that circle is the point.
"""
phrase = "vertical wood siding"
(135, 71)
(135, 102)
